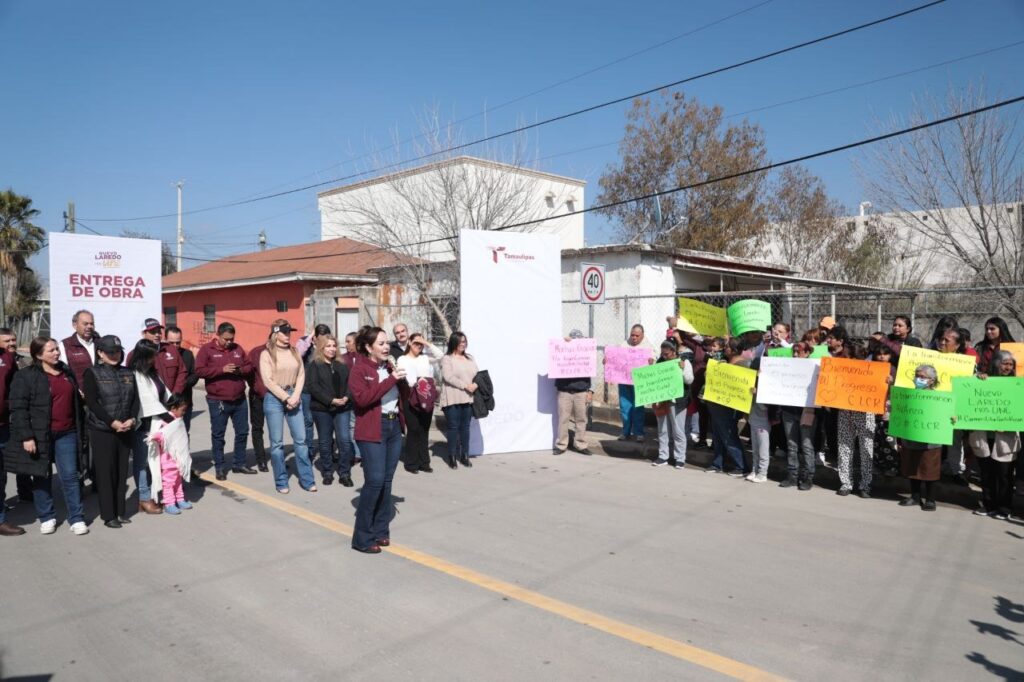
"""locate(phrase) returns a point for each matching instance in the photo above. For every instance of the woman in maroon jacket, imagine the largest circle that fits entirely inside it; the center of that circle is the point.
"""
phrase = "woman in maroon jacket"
(378, 392)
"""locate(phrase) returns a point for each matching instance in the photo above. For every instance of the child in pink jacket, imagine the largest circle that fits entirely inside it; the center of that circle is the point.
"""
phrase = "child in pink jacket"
(170, 462)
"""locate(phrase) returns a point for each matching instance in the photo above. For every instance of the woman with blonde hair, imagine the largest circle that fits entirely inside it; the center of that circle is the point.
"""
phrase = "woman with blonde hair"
(327, 384)
(284, 376)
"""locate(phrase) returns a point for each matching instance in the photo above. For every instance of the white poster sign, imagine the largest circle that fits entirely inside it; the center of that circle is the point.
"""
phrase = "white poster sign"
(115, 278)
(511, 306)
(787, 381)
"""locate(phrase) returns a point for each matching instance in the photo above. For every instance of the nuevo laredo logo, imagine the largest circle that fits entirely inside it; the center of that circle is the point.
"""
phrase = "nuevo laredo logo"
(108, 259)
(506, 255)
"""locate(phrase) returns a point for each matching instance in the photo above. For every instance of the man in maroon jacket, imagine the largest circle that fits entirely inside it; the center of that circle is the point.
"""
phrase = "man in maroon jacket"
(8, 366)
(79, 350)
(257, 391)
(223, 365)
(169, 365)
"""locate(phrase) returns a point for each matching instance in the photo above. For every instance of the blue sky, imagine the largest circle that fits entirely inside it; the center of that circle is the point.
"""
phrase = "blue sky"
(108, 103)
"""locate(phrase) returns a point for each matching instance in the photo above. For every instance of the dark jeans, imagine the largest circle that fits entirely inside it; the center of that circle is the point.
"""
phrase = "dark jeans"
(307, 421)
(417, 430)
(457, 417)
(799, 446)
(375, 509)
(726, 437)
(5, 435)
(996, 485)
(331, 429)
(220, 412)
(826, 423)
(256, 421)
(111, 453)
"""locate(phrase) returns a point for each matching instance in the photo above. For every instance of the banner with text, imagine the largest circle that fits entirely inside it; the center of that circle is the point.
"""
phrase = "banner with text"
(921, 415)
(787, 381)
(729, 385)
(619, 362)
(657, 383)
(855, 385)
(993, 404)
(701, 318)
(115, 278)
(947, 365)
(749, 315)
(572, 359)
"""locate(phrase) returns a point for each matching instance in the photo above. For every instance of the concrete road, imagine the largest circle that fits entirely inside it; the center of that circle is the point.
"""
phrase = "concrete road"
(525, 567)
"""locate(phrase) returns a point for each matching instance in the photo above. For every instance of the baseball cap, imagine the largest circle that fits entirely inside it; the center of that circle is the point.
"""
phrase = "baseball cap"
(151, 323)
(109, 344)
(283, 328)
(827, 322)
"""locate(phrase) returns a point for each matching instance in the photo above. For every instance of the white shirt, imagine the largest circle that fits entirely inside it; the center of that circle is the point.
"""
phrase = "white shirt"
(389, 402)
(149, 396)
(419, 366)
(88, 345)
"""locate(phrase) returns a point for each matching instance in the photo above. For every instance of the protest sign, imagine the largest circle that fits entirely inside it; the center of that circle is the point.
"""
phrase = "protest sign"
(993, 404)
(749, 315)
(658, 382)
(619, 360)
(947, 365)
(780, 352)
(820, 351)
(787, 381)
(729, 385)
(571, 359)
(855, 385)
(701, 318)
(1017, 350)
(921, 415)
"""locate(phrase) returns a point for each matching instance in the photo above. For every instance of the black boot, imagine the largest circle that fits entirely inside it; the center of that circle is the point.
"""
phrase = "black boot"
(911, 501)
(788, 482)
(464, 461)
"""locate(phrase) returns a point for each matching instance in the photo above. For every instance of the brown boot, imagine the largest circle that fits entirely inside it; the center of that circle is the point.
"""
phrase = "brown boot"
(9, 529)
(150, 507)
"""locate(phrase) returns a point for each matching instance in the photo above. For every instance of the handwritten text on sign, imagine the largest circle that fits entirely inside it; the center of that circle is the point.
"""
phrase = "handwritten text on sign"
(729, 385)
(620, 360)
(572, 359)
(947, 365)
(787, 381)
(993, 404)
(921, 415)
(657, 383)
(698, 317)
(855, 385)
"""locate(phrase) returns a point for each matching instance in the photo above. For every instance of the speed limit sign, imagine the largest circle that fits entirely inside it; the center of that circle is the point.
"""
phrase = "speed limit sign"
(591, 283)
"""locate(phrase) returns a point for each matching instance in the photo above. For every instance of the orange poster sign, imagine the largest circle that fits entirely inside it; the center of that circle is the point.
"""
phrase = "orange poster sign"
(855, 385)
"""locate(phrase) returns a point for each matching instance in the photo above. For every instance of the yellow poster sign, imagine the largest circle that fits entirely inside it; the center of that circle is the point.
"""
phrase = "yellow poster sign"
(730, 385)
(701, 318)
(947, 365)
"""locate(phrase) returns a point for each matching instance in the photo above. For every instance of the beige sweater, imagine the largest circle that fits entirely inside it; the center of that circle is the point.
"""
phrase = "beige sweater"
(289, 372)
(457, 371)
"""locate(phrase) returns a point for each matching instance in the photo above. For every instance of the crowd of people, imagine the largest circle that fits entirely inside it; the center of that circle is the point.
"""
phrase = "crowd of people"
(83, 409)
(858, 443)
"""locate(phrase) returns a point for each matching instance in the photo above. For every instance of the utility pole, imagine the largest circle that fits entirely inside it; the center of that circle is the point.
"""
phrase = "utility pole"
(263, 240)
(181, 235)
(69, 218)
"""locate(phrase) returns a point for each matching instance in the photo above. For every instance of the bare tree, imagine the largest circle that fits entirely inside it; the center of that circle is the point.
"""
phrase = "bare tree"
(974, 163)
(417, 214)
(804, 227)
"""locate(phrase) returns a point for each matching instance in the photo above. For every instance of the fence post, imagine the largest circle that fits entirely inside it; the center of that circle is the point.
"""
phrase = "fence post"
(625, 318)
(913, 311)
(590, 322)
(809, 313)
(833, 313)
(879, 327)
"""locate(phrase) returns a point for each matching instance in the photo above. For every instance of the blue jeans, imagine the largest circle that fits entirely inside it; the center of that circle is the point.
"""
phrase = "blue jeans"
(632, 417)
(375, 509)
(5, 435)
(65, 454)
(276, 414)
(330, 428)
(457, 418)
(726, 437)
(220, 412)
(140, 461)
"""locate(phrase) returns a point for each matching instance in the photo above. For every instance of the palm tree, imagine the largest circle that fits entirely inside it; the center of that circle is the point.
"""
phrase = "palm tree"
(19, 239)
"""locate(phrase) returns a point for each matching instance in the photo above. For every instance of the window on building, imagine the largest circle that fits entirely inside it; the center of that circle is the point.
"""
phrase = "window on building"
(209, 319)
(282, 306)
(570, 206)
(170, 317)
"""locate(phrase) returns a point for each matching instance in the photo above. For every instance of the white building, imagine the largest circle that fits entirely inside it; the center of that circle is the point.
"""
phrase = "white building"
(432, 201)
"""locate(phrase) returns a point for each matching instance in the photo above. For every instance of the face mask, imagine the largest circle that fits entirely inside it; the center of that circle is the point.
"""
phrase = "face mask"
(921, 383)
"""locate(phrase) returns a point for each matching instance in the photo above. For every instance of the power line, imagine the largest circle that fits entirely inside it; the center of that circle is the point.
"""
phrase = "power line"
(683, 188)
(561, 117)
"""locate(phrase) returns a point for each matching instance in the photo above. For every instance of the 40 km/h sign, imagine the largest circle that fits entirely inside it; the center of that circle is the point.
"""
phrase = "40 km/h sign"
(592, 283)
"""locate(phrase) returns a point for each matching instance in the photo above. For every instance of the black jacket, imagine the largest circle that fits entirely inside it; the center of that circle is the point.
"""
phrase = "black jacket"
(576, 385)
(325, 382)
(30, 420)
(111, 395)
(483, 396)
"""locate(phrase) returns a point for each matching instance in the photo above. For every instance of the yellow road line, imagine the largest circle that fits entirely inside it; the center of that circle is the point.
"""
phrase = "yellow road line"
(666, 645)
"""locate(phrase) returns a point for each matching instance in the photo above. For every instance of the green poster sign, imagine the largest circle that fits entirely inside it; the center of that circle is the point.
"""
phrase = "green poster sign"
(780, 352)
(749, 315)
(657, 383)
(921, 415)
(993, 404)
(820, 351)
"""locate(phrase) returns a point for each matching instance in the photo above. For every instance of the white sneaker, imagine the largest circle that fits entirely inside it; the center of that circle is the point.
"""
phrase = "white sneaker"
(80, 528)
(750, 477)
(48, 527)
(760, 478)
(694, 439)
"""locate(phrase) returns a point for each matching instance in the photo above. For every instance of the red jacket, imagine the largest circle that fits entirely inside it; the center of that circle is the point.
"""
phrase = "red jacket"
(8, 366)
(254, 378)
(169, 367)
(210, 362)
(78, 358)
(367, 389)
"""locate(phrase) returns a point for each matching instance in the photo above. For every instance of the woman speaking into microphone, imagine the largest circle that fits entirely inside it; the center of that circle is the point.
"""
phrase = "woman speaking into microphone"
(378, 391)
